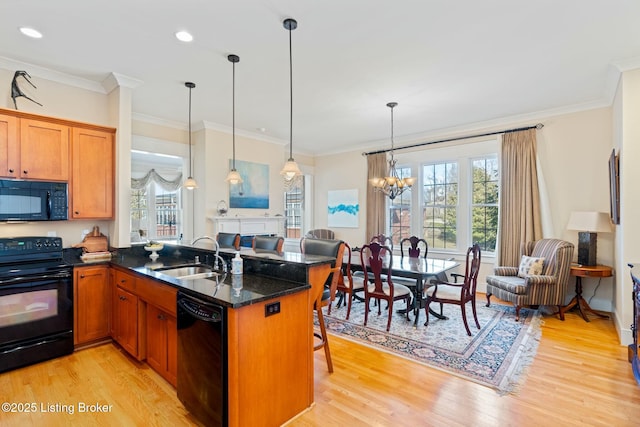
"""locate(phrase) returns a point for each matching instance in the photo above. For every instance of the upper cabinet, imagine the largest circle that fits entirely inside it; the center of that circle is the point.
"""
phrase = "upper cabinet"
(33, 149)
(9, 149)
(92, 184)
(44, 150)
(50, 149)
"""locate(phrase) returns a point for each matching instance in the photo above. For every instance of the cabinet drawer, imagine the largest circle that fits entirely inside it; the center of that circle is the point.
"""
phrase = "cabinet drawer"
(125, 281)
(158, 294)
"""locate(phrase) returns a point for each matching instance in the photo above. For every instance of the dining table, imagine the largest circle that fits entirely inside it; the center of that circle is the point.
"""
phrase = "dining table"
(419, 269)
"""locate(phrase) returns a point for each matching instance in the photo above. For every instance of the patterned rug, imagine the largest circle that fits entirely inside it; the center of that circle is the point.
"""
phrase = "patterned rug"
(495, 356)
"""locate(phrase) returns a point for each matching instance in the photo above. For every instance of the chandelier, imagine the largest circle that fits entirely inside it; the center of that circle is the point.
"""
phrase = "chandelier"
(392, 185)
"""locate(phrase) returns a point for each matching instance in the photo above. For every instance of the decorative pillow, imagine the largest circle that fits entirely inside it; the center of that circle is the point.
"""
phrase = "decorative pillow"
(530, 265)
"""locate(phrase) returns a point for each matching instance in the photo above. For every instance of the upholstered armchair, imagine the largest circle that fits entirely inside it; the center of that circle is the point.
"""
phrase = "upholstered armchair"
(523, 286)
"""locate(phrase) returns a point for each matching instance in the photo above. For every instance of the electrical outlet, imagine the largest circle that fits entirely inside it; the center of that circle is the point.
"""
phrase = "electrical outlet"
(272, 308)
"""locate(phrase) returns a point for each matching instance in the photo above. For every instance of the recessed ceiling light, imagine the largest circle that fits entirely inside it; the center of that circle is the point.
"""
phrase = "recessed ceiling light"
(30, 32)
(184, 36)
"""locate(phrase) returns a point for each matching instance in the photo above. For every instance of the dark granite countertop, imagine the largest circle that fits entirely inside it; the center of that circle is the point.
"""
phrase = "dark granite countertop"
(267, 275)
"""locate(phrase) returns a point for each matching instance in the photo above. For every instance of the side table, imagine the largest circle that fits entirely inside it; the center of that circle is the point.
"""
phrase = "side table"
(580, 271)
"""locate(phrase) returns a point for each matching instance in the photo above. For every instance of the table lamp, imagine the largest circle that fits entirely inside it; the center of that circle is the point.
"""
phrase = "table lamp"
(588, 224)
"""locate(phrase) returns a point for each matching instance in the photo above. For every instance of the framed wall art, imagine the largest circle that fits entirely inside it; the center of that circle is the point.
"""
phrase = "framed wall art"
(253, 192)
(343, 208)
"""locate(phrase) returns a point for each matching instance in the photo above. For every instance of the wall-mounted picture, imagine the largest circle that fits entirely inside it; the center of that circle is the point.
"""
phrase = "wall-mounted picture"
(343, 208)
(253, 192)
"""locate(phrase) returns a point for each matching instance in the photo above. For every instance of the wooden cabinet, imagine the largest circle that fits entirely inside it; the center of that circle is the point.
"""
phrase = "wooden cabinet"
(126, 310)
(92, 309)
(162, 343)
(44, 150)
(49, 149)
(92, 183)
(9, 146)
(35, 149)
(144, 321)
(161, 337)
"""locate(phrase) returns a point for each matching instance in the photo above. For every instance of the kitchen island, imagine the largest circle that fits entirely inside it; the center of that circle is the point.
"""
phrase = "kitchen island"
(269, 351)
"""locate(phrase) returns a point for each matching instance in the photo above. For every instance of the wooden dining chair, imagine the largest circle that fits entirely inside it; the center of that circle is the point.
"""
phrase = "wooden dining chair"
(414, 246)
(457, 293)
(347, 284)
(383, 240)
(380, 285)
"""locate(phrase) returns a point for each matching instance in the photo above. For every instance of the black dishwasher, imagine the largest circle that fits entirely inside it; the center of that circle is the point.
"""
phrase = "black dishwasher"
(202, 359)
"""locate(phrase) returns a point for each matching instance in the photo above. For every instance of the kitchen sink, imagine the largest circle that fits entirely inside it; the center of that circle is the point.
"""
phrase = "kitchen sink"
(188, 272)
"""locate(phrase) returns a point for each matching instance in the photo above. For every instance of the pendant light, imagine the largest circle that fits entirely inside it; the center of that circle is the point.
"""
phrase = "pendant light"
(392, 185)
(290, 169)
(234, 177)
(190, 183)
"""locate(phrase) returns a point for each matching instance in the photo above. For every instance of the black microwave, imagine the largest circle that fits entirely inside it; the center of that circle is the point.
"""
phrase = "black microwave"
(33, 200)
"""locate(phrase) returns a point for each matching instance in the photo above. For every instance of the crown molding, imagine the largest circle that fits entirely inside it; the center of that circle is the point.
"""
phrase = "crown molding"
(115, 80)
(48, 74)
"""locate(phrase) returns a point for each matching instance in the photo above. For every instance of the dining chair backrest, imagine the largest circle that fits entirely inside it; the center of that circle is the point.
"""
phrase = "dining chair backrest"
(376, 263)
(415, 246)
(383, 240)
(270, 243)
(229, 240)
(472, 269)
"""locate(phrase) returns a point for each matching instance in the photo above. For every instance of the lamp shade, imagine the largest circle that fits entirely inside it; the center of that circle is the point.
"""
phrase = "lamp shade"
(594, 222)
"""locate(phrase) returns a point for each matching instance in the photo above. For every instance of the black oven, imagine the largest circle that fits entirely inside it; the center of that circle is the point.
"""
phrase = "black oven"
(36, 301)
(33, 200)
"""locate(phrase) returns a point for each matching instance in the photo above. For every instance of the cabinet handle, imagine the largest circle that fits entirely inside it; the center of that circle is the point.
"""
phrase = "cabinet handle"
(161, 317)
(82, 276)
(25, 172)
(122, 298)
(11, 170)
(77, 213)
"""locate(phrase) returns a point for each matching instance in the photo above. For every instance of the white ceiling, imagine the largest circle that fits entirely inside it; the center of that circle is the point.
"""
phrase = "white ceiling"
(448, 64)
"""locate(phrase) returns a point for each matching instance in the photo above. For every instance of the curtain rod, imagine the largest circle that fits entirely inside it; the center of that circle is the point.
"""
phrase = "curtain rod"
(420, 144)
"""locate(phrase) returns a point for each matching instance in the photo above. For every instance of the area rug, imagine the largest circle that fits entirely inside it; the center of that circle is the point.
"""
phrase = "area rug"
(495, 356)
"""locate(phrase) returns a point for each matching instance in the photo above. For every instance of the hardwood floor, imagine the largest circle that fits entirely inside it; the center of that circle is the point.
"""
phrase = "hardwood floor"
(580, 376)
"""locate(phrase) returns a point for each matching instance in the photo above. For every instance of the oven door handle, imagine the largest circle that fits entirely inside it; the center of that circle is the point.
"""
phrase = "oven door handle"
(31, 279)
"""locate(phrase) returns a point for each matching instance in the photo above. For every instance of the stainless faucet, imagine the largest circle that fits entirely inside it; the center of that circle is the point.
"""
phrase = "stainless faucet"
(215, 242)
(217, 257)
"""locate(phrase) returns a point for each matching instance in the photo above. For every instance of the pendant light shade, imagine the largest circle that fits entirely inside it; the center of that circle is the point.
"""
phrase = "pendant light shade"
(290, 169)
(233, 177)
(190, 183)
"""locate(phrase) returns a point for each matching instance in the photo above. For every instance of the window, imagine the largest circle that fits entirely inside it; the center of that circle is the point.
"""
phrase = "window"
(293, 210)
(400, 212)
(440, 212)
(156, 213)
(455, 201)
(484, 204)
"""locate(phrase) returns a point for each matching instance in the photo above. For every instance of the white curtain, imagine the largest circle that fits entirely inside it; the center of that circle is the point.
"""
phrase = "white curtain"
(152, 175)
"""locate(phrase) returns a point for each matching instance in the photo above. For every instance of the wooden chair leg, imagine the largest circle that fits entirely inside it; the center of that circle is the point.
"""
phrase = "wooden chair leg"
(349, 304)
(325, 341)
(475, 315)
(518, 313)
(390, 304)
(488, 299)
(464, 318)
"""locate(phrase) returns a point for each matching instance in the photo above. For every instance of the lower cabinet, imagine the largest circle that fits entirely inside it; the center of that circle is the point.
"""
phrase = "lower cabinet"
(162, 343)
(144, 321)
(92, 310)
(126, 321)
(125, 329)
